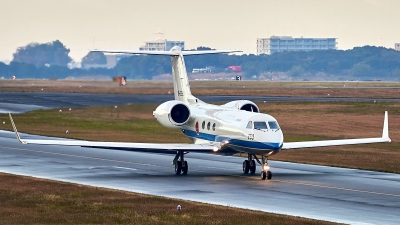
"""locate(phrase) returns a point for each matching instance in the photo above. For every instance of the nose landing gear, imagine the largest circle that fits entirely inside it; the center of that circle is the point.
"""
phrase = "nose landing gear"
(249, 165)
(265, 173)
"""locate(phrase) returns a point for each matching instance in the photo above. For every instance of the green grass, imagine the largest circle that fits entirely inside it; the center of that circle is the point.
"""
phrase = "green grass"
(26, 200)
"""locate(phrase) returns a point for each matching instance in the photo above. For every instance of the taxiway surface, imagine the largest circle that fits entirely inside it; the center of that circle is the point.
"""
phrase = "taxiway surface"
(18, 102)
(326, 193)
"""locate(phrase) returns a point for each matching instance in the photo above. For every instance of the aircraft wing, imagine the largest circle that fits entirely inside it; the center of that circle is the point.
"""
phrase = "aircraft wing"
(129, 146)
(312, 144)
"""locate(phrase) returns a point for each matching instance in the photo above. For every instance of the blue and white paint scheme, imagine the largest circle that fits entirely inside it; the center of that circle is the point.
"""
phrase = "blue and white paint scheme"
(234, 127)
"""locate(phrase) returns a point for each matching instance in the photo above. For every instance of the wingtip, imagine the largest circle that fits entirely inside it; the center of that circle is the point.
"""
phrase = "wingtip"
(385, 133)
(15, 130)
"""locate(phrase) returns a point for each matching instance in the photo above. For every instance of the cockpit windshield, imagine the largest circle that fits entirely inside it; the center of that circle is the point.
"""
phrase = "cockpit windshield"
(273, 125)
(260, 125)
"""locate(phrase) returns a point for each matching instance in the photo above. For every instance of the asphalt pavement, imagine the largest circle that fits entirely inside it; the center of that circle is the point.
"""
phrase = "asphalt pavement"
(319, 192)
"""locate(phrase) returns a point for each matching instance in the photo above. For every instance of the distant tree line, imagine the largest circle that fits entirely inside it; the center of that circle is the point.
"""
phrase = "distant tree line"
(51, 60)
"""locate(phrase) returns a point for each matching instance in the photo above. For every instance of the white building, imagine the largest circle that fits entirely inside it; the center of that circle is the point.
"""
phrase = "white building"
(287, 43)
(161, 45)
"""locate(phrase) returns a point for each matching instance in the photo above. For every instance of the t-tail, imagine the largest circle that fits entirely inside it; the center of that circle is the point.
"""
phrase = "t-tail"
(180, 79)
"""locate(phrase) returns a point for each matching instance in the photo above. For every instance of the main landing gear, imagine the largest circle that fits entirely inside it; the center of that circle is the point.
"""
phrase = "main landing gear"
(249, 165)
(181, 166)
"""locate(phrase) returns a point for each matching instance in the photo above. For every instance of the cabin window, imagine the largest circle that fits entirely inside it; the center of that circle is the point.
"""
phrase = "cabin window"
(203, 125)
(260, 125)
(250, 125)
(208, 125)
(214, 127)
(273, 125)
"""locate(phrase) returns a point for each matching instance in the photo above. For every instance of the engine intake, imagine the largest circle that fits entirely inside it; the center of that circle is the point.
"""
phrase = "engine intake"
(179, 114)
(245, 105)
(172, 114)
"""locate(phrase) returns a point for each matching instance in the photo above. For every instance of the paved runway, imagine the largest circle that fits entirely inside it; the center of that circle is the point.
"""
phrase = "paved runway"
(326, 193)
(17, 102)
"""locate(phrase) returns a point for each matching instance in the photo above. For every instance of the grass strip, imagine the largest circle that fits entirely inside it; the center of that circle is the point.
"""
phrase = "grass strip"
(27, 200)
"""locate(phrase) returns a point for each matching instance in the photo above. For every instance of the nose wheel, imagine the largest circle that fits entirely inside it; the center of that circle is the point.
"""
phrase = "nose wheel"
(249, 166)
(265, 173)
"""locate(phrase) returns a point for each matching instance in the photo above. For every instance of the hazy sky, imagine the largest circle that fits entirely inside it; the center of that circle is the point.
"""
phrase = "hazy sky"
(223, 24)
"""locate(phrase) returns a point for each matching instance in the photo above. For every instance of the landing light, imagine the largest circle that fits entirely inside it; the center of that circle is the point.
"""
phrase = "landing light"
(265, 168)
(215, 149)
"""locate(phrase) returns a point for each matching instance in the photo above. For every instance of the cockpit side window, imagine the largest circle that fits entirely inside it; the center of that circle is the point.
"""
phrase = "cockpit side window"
(273, 124)
(261, 125)
(250, 125)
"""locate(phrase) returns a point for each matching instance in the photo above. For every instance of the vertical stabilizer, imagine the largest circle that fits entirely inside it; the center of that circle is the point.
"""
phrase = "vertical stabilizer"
(181, 82)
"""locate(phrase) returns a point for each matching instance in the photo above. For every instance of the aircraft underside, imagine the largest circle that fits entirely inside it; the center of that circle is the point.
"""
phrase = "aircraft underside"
(249, 165)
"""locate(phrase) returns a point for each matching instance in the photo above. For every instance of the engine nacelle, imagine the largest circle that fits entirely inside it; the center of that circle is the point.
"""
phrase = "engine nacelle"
(172, 114)
(245, 105)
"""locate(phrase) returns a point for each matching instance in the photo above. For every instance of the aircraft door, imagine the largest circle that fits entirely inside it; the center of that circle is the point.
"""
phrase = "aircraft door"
(250, 131)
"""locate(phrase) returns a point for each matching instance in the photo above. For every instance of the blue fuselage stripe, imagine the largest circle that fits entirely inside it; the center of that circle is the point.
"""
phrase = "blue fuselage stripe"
(237, 142)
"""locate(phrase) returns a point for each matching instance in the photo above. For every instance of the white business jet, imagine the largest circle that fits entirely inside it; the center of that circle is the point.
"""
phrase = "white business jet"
(234, 127)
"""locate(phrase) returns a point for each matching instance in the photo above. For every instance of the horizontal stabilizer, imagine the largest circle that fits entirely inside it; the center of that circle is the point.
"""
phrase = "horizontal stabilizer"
(170, 53)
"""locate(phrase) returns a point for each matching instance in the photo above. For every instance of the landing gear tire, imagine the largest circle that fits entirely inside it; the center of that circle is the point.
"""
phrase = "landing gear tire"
(178, 167)
(269, 175)
(185, 168)
(253, 167)
(266, 175)
(263, 175)
(246, 166)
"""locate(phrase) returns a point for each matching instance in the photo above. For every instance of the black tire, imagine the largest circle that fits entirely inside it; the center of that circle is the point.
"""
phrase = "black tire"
(269, 175)
(263, 175)
(246, 166)
(185, 168)
(178, 167)
(253, 167)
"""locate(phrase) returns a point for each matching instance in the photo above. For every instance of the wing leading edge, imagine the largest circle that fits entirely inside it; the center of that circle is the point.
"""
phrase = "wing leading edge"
(311, 144)
(118, 145)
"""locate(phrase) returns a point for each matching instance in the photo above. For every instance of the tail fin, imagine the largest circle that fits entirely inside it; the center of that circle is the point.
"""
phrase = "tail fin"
(180, 78)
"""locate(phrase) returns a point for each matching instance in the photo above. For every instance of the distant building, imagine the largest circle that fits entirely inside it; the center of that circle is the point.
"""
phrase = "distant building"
(397, 46)
(161, 45)
(287, 43)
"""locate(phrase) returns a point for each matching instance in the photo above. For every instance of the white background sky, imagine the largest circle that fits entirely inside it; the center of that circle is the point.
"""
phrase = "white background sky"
(223, 24)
